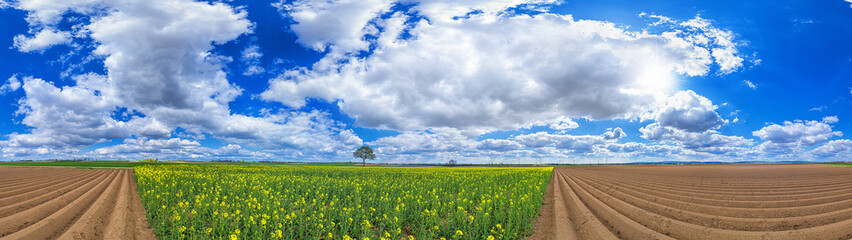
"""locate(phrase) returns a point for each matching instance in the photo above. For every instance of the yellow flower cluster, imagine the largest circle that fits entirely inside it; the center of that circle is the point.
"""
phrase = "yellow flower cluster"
(223, 201)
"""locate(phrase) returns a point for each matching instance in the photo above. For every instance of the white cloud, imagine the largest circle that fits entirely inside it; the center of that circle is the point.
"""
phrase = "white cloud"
(160, 63)
(849, 1)
(447, 10)
(807, 133)
(500, 72)
(12, 84)
(340, 23)
(45, 13)
(667, 152)
(500, 145)
(64, 117)
(418, 142)
(615, 134)
(818, 109)
(788, 138)
(830, 119)
(559, 123)
(174, 148)
(573, 143)
(708, 141)
(724, 50)
(42, 40)
(835, 148)
(251, 59)
(688, 111)
(750, 84)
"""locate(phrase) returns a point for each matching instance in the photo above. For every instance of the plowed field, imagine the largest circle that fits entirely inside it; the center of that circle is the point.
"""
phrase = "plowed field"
(66, 203)
(698, 202)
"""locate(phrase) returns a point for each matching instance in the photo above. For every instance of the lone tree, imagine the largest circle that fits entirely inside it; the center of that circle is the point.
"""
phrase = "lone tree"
(364, 153)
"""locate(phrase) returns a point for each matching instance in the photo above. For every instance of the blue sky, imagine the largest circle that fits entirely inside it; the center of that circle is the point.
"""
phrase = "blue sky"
(427, 80)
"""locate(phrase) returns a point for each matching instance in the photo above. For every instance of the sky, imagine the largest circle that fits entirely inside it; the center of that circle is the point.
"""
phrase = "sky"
(427, 81)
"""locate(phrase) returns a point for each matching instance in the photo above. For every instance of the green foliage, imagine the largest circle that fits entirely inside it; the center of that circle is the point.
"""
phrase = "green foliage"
(364, 153)
(215, 201)
(839, 163)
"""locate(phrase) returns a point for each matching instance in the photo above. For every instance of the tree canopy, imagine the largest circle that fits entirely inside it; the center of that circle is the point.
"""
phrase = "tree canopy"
(364, 153)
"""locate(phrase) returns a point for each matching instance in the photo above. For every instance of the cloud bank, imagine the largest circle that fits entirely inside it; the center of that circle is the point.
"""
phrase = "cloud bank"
(440, 74)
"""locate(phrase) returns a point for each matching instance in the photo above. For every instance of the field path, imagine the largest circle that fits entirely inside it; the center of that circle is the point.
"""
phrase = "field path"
(70, 203)
(698, 202)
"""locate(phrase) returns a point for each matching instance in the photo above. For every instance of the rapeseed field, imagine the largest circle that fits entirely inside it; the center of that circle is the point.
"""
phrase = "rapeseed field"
(318, 202)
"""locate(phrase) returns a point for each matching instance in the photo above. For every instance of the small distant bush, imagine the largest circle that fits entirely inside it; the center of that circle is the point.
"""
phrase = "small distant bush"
(149, 160)
(452, 162)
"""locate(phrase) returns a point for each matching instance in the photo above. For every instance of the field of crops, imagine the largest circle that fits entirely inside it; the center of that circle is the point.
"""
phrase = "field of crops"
(317, 202)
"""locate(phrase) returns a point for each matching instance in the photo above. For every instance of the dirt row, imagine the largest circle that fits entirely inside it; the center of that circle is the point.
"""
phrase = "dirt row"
(68, 203)
(698, 202)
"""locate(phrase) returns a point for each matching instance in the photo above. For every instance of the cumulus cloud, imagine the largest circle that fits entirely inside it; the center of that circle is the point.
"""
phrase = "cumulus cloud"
(175, 148)
(338, 24)
(419, 142)
(614, 134)
(628, 149)
(807, 133)
(11, 84)
(688, 111)
(835, 148)
(42, 40)
(708, 141)
(64, 117)
(572, 143)
(789, 137)
(724, 49)
(559, 123)
(496, 71)
(160, 64)
(830, 119)
(849, 1)
(500, 145)
(74, 116)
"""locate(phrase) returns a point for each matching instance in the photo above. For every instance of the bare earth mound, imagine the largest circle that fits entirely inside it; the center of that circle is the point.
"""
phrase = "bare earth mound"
(698, 202)
(67, 203)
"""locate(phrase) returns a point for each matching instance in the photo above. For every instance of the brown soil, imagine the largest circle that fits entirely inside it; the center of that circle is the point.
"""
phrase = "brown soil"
(698, 202)
(70, 203)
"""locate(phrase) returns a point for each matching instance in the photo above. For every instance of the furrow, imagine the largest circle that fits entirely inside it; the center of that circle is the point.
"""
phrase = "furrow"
(818, 201)
(621, 225)
(48, 211)
(675, 211)
(18, 197)
(10, 176)
(127, 220)
(584, 222)
(91, 224)
(35, 201)
(26, 182)
(564, 229)
(742, 195)
(731, 191)
(683, 230)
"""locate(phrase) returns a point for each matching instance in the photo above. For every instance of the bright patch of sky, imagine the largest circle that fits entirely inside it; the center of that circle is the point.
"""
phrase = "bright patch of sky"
(426, 81)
